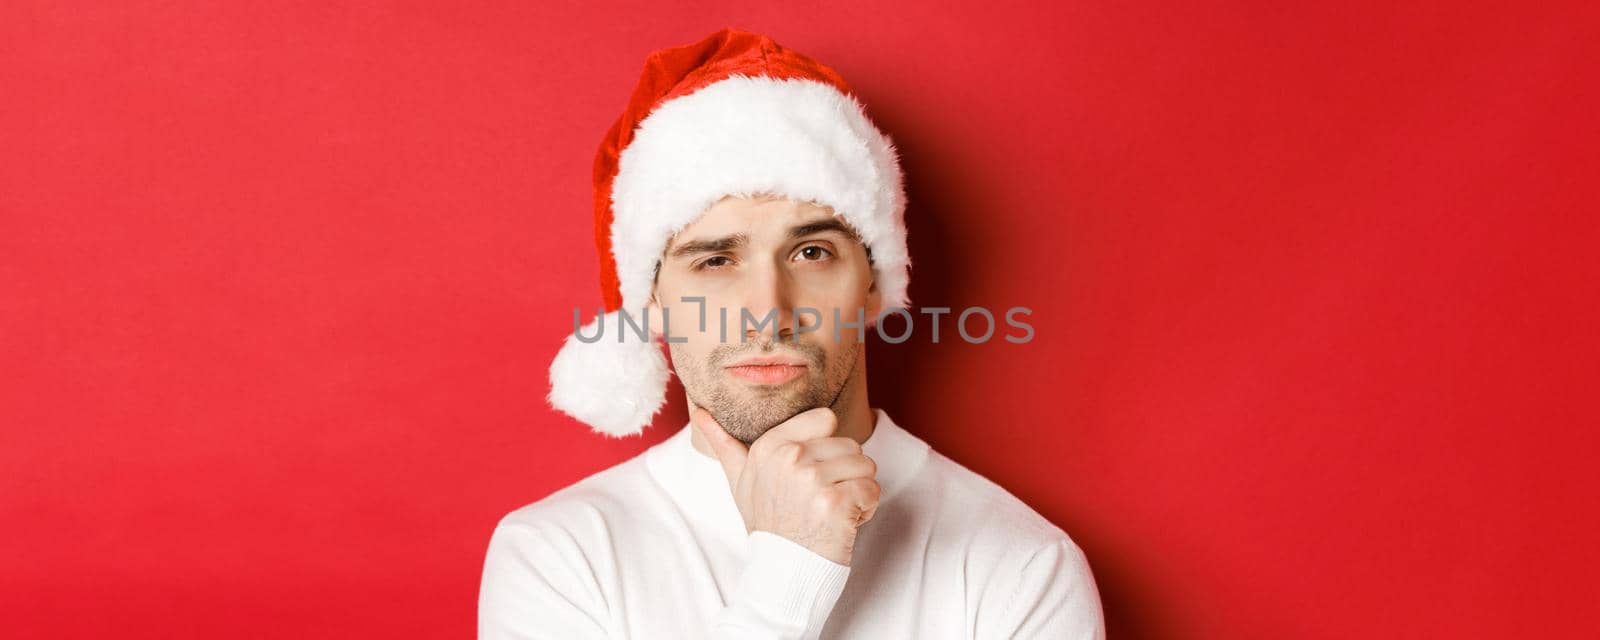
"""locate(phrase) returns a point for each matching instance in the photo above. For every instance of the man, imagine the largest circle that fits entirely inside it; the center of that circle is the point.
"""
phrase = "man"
(751, 217)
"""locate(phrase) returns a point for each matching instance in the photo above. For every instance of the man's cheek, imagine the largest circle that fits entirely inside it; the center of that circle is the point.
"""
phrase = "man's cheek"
(683, 323)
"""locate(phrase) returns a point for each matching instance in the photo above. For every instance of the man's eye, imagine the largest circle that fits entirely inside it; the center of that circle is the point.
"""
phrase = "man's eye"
(813, 253)
(712, 262)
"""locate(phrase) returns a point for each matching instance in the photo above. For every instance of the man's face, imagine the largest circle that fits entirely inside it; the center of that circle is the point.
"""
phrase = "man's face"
(767, 257)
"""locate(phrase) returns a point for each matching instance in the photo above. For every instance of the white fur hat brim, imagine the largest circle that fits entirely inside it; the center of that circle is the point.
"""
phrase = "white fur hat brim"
(744, 135)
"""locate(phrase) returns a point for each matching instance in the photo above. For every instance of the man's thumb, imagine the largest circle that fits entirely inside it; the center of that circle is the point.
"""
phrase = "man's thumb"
(729, 450)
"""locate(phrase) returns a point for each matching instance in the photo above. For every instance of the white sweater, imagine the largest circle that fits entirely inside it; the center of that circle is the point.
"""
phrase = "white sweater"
(654, 547)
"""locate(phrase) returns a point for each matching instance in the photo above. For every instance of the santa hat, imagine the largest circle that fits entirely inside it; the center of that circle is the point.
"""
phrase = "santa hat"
(733, 114)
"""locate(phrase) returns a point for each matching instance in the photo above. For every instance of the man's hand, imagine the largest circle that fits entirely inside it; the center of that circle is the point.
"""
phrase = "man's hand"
(798, 480)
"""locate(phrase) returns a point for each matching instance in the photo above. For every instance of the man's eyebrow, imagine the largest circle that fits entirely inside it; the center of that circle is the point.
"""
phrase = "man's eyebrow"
(729, 243)
(831, 224)
(725, 243)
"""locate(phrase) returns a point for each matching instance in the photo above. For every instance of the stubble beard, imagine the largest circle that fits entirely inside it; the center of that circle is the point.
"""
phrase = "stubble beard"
(747, 412)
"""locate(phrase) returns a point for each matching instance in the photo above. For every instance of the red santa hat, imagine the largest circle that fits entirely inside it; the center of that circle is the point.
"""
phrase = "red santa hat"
(733, 114)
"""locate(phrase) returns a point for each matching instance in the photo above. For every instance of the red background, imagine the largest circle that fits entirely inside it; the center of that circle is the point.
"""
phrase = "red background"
(1314, 290)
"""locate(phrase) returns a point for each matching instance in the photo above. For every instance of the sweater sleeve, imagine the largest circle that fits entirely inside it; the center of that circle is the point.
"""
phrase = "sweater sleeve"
(786, 591)
(537, 585)
(1053, 595)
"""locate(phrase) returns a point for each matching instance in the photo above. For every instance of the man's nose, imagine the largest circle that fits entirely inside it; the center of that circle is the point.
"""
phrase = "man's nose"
(769, 300)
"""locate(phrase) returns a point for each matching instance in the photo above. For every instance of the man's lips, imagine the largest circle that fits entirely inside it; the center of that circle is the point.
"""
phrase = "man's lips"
(768, 369)
(768, 373)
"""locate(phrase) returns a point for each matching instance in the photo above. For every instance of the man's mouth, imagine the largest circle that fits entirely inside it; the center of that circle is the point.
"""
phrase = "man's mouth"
(768, 370)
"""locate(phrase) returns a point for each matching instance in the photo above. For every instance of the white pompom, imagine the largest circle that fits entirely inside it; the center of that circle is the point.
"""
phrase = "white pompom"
(614, 387)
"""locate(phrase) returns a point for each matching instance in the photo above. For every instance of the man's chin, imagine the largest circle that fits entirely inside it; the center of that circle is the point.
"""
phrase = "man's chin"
(749, 412)
(786, 394)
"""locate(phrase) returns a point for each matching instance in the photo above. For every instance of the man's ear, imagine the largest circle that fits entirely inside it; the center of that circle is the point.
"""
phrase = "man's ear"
(874, 299)
(656, 315)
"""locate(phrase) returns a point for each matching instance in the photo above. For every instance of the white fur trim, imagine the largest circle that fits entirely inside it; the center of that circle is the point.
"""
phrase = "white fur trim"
(744, 135)
(614, 386)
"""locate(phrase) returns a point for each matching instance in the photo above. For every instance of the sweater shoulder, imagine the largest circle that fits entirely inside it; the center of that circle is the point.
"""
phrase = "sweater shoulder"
(996, 519)
(1007, 549)
(602, 497)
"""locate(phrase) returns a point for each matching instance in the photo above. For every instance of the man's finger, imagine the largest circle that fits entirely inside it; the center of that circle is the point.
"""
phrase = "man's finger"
(831, 447)
(849, 467)
(866, 516)
(729, 450)
(863, 494)
(820, 422)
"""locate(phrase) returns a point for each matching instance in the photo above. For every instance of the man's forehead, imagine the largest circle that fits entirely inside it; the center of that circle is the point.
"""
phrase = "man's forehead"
(790, 218)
